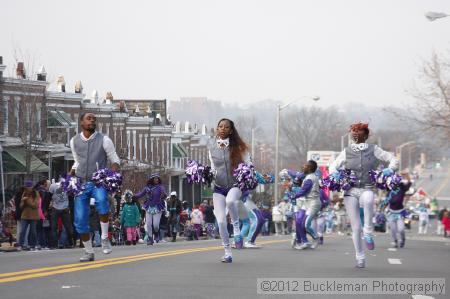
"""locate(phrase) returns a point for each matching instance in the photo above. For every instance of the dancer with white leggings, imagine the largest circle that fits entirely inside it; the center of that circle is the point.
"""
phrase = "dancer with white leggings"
(154, 206)
(361, 157)
(226, 151)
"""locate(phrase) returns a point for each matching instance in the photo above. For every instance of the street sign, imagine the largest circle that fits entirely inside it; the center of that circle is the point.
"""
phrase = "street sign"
(323, 158)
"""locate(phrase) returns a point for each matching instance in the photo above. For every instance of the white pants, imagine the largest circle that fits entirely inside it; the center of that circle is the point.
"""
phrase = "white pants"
(319, 225)
(423, 227)
(221, 205)
(352, 200)
(397, 226)
(280, 227)
(152, 221)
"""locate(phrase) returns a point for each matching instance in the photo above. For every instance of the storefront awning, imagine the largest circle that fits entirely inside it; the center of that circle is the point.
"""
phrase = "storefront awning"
(58, 119)
(179, 151)
(14, 161)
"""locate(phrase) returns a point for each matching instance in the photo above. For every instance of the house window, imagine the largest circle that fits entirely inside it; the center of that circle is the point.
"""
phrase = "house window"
(16, 114)
(5, 115)
(38, 120)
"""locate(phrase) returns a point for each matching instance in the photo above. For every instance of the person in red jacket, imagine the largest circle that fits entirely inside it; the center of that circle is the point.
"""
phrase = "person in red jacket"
(446, 223)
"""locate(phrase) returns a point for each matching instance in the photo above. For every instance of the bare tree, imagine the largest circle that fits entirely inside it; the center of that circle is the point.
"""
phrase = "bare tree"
(431, 90)
(30, 132)
(309, 128)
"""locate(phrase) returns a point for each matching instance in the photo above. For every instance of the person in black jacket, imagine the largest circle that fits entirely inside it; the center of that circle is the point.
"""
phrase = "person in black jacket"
(43, 225)
(174, 208)
(210, 221)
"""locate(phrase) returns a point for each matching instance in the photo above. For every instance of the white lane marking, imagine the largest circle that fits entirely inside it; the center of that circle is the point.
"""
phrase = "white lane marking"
(69, 287)
(422, 297)
(392, 249)
(395, 261)
(371, 254)
(347, 253)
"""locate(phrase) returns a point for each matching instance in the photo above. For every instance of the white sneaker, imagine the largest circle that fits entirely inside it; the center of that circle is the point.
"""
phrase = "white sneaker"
(314, 243)
(250, 245)
(302, 246)
(106, 246)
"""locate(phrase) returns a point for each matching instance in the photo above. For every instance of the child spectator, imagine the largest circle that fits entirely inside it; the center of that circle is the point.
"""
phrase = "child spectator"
(197, 221)
(130, 217)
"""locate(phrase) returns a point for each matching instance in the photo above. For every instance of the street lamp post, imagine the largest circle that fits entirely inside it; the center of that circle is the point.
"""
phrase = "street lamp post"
(253, 141)
(433, 16)
(277, 143)
(399, 152)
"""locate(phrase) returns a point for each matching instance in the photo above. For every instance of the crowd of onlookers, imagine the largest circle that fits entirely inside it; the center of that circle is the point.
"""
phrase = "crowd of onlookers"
(40, 216)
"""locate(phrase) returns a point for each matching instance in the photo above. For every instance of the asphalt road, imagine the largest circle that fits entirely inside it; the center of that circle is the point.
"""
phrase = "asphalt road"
(439, 185)
(193, 270)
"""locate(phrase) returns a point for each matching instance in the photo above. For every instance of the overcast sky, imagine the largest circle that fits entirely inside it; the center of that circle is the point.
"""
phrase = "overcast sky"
(235, 51)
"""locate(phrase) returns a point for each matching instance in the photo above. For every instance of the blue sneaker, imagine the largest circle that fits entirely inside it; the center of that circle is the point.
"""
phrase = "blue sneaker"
(370, 244)
(238, 242)
(227, 259)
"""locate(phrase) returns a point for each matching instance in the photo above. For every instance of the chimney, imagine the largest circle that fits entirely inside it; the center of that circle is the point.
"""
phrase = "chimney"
(78, 87)
(42, 74)
(20, 70)
(158, 119)
(186, 127)
(109, 97)
(61, 84)
(177, 127)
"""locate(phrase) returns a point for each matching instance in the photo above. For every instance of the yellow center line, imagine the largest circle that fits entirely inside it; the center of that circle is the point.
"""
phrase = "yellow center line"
(83, 264)
(49, 271)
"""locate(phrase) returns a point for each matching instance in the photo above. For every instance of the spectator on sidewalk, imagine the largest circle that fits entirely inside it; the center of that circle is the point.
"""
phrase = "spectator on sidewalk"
(440, 228)
(446, 224)
(18, 214)
(43, 225)
(29, 204)
(210, 222)
(130, 218)
(60, 210)
(197, 221)
(174, 208)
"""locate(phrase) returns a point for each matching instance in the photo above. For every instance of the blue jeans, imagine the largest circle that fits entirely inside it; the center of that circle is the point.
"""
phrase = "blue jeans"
(82, 202)
(32, 236)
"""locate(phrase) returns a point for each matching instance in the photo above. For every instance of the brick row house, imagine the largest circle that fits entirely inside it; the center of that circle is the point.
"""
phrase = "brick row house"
(36, 125)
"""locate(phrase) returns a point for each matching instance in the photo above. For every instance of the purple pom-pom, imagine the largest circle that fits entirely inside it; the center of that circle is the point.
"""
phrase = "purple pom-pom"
(110, 180)
(71, 184)
(245, 176)
(197, 173)
(341, 180)
(383, 182)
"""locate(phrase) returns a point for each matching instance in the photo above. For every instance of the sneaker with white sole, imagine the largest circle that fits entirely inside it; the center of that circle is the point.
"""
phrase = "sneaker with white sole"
(361, 263)
(87, 257)
(314, 243)
(302, 246)
(227, 259)
(106, 246)
(251, 245)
